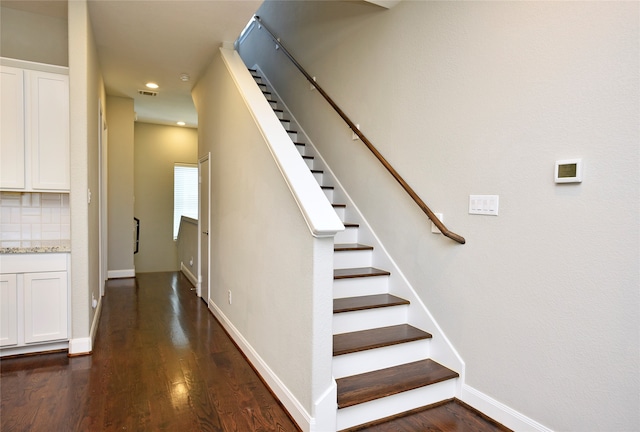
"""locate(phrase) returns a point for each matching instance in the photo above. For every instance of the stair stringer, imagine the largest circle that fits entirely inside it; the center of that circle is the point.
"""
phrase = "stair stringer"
(441, 349)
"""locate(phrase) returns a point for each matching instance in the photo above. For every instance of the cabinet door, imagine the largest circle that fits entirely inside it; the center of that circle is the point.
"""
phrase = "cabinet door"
(45, 306)
(12, 159)
(8, 310)
(48, 130)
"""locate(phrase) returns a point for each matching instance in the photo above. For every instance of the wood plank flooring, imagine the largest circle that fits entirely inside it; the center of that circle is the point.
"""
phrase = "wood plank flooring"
(161, 362)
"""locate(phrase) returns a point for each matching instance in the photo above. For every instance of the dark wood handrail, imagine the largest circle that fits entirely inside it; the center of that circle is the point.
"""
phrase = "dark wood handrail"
(443, 229)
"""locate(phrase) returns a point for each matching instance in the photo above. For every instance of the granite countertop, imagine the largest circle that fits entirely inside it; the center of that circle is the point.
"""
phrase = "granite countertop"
(53, 247)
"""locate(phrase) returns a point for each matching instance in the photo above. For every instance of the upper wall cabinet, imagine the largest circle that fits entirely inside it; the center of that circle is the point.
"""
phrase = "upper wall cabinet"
(34, 125)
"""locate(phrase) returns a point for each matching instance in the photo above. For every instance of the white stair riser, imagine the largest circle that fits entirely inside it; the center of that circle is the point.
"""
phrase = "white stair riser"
(392, 405)
(380, 358)
(286, 124)
(352, 259)
(273, 104)
(301, 149)
(309, 163)
(268, 96)
(293, 136)
(279, 114)
(318, 177)
(346, 322)
(354, 287)
(340, 211)
(349, 235)
(329, 194)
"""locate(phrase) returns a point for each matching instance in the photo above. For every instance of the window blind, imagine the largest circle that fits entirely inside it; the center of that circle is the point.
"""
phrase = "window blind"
(185, 193)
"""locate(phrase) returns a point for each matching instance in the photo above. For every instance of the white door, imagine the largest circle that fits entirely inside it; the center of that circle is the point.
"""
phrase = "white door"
(204, 224)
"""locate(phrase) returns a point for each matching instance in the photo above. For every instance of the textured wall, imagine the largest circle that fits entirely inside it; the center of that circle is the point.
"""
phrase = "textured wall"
(482, 98)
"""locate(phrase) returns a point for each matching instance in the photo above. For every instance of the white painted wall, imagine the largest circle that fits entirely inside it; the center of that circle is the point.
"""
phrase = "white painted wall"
(32, 36)
(262, 251)
(86, 89)
(187, 244)
(120, 121)
(156, 149)
(482, 98)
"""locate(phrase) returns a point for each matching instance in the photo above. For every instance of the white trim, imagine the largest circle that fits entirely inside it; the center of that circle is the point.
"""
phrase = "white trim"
(41, 67)
(185, 270)
(387, 4)
(80, 346)
(499, 411)
(116, 274)
(318, 213)
(34, 348)
(293, 406)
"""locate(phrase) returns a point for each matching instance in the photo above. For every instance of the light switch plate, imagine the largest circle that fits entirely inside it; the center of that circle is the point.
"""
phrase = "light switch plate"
(484, 204)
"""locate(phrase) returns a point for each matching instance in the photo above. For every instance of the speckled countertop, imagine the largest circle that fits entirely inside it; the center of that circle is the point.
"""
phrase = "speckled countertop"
(57, 247)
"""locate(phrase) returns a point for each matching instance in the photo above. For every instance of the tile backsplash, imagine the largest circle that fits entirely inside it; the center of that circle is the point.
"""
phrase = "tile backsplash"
(34, 219)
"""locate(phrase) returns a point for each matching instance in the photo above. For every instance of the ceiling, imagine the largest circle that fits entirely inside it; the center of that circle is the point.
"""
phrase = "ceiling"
(142, 41)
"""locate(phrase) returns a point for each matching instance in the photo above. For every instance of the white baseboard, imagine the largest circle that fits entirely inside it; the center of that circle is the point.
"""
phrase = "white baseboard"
(117, 274)
(499, 411)
(80, 346)
(184, 269)
(297, 411)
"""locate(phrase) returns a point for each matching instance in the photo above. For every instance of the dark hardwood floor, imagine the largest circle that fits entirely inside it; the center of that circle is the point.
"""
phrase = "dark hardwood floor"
(161, 362)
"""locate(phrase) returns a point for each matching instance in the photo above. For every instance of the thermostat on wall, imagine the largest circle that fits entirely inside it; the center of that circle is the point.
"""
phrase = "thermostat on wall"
(568, 171)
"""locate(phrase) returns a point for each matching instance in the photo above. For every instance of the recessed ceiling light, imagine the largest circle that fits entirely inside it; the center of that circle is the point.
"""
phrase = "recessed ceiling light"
(181, 123)
(152, 85)
(184, 77)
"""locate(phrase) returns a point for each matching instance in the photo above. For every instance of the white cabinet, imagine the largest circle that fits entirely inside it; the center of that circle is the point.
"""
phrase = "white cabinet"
(45, 306)
(8, 310)
(12, 147)
(34, 142)
(34, 302)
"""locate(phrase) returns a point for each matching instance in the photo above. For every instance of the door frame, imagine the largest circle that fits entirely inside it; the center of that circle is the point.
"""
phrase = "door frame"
(204, 225)
(102, 211)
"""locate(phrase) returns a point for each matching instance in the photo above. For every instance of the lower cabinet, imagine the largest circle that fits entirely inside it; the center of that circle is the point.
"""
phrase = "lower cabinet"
(33, 307)
(45, 306)
(8, 310)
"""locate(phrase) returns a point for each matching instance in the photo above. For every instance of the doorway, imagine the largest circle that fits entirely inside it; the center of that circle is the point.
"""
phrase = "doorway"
(204, 211)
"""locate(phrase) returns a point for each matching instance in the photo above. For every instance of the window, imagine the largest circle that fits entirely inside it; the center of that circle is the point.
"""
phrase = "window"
(185, 194)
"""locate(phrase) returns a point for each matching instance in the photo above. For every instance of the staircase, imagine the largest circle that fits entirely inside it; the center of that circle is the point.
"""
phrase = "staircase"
(380, 362)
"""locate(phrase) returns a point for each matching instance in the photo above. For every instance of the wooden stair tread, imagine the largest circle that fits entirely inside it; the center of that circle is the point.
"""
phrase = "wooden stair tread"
(350, 225)
(369, 386)
(338, 205)
(307, 157)
(341, 247)
(327, 187)
(358, 272)
(346, 343)
(350, 304)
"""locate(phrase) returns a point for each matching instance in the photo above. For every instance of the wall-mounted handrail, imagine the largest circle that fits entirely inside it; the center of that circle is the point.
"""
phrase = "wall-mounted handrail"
(443, 229)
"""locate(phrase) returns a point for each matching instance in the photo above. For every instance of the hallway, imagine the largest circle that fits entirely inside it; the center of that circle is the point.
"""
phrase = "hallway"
(160, 362)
